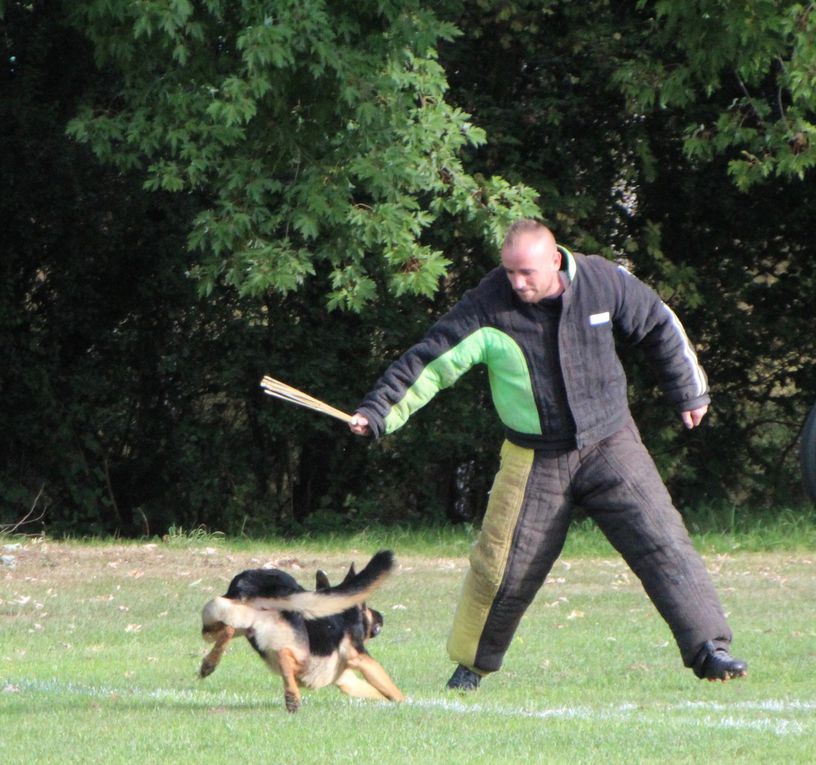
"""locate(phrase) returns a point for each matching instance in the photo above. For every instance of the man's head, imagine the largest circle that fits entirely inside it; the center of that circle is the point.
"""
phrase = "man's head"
(531, 261)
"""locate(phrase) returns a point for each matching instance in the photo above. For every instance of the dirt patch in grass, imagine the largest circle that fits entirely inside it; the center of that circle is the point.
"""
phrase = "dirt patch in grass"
(67, 564)
(39, 564)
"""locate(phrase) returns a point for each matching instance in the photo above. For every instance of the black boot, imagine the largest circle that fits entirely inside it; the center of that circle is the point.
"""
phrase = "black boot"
(714, 663)
(464, 679)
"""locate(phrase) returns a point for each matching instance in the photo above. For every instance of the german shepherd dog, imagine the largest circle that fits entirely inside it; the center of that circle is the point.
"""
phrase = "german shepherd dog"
(311, 639)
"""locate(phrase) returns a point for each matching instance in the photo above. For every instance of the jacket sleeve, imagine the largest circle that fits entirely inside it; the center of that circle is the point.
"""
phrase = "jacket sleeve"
(435, 363)
(646, 321)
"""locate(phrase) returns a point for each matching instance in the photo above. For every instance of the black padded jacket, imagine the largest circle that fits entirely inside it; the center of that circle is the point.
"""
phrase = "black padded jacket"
(491, 326)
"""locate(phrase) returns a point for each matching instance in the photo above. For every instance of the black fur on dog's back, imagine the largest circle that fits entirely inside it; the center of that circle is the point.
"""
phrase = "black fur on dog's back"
(262, 582)
(274, 583)
(324, 601)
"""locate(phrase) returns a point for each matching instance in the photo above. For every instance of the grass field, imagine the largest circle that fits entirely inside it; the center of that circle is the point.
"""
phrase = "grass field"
(100, 645)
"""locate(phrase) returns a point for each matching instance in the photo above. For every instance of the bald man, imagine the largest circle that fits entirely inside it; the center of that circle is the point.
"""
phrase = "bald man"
(543, 325)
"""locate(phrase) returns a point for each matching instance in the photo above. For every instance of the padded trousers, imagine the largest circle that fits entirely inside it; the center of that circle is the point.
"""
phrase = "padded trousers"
(617, 484)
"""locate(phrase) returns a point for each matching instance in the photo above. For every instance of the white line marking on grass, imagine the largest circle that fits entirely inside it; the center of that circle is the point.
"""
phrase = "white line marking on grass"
(479, 709)
(721, 715)
(769, 705)
(782, 727)
(779, 727)
(203, 697)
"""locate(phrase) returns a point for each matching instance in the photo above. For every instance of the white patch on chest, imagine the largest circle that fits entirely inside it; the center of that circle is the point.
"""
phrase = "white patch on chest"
(599, 318)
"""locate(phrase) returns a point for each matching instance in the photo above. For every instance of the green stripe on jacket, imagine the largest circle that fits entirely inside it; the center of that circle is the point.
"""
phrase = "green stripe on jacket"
(510, 383)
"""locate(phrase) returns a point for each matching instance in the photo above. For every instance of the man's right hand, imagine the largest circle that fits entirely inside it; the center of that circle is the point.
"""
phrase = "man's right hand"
(359, 425)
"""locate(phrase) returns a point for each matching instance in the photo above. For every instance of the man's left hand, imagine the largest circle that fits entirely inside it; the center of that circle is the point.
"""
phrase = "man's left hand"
(694, 417)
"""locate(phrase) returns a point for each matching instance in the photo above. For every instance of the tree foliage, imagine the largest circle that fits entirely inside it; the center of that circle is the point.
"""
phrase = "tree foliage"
(761, 53)
(728, 83)
(318, 133)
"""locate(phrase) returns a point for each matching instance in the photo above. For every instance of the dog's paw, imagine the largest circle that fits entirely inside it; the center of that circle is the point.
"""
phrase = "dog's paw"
(206, 669)
(292, 701)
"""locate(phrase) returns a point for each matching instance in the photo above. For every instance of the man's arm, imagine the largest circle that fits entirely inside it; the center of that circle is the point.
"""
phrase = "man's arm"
(646, 321)
(410, 382)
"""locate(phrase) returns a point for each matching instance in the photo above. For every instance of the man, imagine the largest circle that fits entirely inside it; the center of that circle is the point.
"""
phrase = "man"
(542, 323)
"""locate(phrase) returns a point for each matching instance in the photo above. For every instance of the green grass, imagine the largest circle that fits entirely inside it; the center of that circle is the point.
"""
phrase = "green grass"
(716, 529)
(99, 648)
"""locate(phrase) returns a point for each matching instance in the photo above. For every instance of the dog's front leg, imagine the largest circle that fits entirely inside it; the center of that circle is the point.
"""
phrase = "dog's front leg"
(374, 672)
(355, 686)
(210, 661)
(288, 667)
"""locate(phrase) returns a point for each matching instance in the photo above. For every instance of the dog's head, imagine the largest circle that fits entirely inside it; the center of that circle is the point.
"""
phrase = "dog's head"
(372, 621)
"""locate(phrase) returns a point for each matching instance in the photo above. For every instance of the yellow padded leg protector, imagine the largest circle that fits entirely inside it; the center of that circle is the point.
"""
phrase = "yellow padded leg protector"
(489, 555)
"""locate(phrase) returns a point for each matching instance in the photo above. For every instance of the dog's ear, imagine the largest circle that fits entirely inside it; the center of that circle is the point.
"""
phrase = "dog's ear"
(351, 573)
(322, 581)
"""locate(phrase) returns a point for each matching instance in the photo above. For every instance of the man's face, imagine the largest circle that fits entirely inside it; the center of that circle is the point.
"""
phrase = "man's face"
(531, 265)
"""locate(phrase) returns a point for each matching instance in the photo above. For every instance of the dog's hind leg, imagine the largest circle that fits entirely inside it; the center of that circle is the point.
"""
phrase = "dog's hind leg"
(288, 667)
(355, 686)
(222, 640)
(374, 673)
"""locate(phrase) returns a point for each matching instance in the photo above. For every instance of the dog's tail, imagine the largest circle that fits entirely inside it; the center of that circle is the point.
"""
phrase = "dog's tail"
(222, 612)
(355, 589)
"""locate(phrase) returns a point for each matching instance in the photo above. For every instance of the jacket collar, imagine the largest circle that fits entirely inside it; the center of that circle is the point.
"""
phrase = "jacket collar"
(568, 263)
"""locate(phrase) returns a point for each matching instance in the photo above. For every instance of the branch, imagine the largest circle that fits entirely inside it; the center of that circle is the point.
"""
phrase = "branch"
(749, 98)
(779, 103)
(13, 528)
